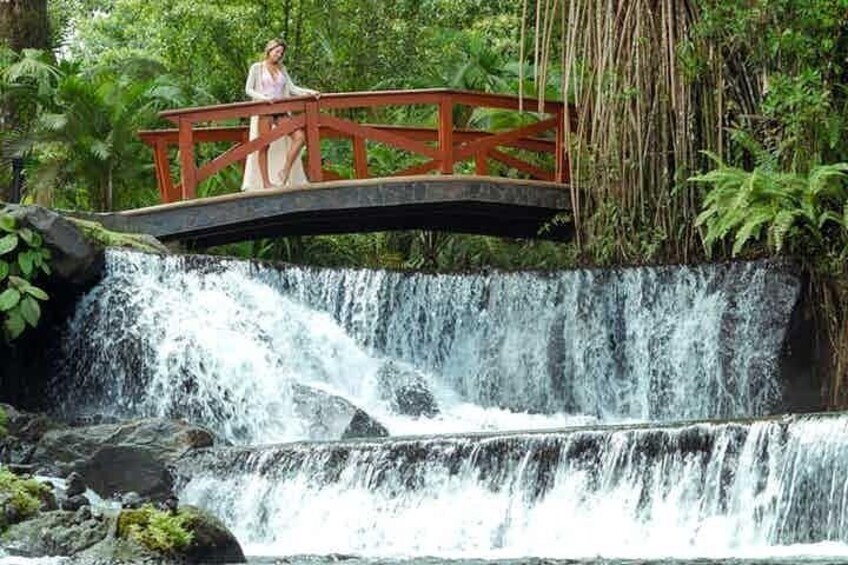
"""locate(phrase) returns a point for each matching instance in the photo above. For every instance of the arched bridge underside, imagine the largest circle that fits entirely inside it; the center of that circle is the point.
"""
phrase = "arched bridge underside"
(462, 204)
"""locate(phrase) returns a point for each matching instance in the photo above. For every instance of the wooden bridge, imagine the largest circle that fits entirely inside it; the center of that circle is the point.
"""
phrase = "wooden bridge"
(458, 182)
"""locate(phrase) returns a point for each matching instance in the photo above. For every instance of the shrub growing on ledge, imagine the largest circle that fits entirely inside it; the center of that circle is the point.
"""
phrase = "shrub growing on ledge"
(22, 259)
(156, 530)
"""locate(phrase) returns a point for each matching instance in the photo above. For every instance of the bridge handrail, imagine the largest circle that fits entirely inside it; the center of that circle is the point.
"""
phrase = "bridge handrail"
(346, 100)
(453, 145)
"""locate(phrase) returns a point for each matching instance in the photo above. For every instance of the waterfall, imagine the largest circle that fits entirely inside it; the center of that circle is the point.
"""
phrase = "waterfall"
(223, 343)
(696, 490)
(588, 414)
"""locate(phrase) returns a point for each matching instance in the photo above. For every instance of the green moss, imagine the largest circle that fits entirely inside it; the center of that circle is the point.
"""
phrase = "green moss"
(95, 232)
(156, 530)
(24, 496)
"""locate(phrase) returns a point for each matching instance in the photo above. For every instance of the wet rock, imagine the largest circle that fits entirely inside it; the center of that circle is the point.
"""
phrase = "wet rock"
(133, 456)
(54, 533)
(119, 468)
(74, 503)
(332, 417)
(406, 390)
(363, 426)
(74, 485)
(130, 500)
(211, 541)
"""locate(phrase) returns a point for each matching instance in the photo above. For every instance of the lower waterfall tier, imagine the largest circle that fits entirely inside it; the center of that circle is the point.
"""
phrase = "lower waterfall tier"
(742, 489)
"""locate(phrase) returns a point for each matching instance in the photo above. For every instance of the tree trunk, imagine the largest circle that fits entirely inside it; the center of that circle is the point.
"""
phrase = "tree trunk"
(23, 25)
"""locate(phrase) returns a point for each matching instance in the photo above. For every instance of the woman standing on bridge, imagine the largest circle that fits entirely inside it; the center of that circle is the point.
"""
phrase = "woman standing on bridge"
(268, 80)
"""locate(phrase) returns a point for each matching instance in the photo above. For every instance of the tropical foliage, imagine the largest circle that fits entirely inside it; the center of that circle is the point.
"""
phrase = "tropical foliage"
(808, 213)
(23, 258)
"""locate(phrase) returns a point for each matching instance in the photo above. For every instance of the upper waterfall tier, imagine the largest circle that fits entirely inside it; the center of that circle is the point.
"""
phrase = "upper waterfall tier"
(224, 342)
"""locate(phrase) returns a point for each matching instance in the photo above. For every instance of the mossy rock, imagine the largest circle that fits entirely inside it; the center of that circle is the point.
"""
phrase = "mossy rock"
(21, 498)
(156, 530)
(191, 535)
(99, 235)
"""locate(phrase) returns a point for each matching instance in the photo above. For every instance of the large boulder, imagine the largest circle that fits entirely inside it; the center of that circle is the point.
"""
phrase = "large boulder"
(330, 417)
(211, 541)
(75, 260)
(134, 456)
(406, 390)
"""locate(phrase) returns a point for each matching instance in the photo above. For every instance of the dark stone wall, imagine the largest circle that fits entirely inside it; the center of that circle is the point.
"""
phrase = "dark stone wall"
(28, 363)
(805, 363)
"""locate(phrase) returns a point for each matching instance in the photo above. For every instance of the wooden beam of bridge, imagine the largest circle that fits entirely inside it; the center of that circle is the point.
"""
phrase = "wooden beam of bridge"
(464, 204)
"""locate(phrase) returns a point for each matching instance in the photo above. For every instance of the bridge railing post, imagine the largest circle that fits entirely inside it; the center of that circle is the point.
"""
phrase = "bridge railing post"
(561, 167)
(313, 142)
(187, 162)
(446, 134)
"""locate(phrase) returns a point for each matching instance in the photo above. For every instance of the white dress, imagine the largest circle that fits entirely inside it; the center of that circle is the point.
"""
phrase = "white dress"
(278, 150)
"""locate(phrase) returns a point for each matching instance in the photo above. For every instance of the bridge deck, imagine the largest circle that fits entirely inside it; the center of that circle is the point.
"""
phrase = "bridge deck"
(465, 204)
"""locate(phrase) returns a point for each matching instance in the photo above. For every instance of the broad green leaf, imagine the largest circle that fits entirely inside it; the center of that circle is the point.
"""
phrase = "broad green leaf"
(27, 235)
(8, 243)
(19, 283)
(36, 292)
(45, 268)
(4, 270)
(25, 262)
(15, 324)
(30, 310)
(7, 223)
(9, 298)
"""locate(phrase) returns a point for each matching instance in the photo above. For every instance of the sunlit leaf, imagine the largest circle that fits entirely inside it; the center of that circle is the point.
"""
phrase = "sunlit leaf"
(36, 292)
(25, 263)
(8, 243)
(7, 223)
(30, 310)
(9, 298)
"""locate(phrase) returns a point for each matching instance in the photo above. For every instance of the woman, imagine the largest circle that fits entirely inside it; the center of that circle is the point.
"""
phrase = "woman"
(268, 80)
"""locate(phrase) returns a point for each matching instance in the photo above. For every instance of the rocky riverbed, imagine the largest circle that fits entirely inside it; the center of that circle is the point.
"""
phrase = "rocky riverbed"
(102, 492)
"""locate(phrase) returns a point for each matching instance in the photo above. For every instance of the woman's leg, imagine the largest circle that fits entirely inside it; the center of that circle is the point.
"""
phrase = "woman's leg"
(263, 127)
(297, 140)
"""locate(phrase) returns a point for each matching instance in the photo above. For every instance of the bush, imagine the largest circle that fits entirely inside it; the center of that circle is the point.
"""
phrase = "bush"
(19, 498)
(156, 530)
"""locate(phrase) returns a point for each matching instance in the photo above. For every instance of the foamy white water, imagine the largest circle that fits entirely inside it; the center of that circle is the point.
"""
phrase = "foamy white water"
(752, 490)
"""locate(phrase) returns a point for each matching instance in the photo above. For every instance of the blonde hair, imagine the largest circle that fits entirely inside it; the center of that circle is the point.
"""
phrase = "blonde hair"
(273, 44)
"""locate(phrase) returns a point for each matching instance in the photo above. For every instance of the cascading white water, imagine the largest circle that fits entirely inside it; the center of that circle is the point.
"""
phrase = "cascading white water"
(742, 489)
(647, 343)
(223, 342)
(234, 345)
